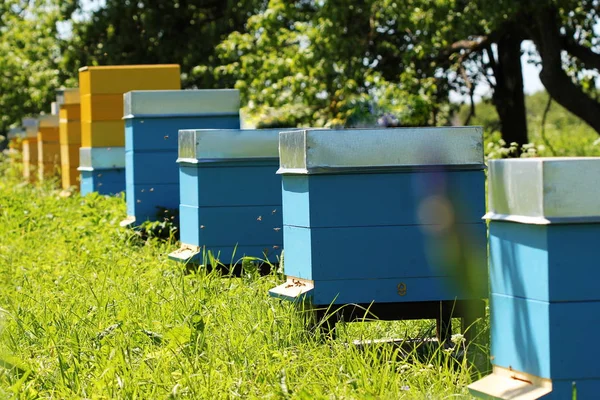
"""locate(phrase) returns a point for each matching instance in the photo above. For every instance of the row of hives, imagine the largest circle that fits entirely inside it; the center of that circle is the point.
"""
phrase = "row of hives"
(386, 219)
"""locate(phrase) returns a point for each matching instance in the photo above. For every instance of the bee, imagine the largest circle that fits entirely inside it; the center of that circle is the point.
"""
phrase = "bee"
(166, 137)
(274, 211)
(276, 229)
(201, 226)
(259, 218)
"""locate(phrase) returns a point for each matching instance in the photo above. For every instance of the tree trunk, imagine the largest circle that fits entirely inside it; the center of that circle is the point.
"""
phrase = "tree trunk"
(549, 43)
(508, 96)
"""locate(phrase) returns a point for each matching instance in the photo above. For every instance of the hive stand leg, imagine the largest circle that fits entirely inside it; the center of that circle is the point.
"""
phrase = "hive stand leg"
(444, 326)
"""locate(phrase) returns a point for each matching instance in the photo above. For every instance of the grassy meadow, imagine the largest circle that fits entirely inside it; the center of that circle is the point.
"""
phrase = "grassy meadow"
(90, 310)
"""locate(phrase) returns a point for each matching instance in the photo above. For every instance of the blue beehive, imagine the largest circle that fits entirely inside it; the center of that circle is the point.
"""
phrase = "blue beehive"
(152, 121)
(230, 195)
(544, 226)
(383, 216)
(102, 170)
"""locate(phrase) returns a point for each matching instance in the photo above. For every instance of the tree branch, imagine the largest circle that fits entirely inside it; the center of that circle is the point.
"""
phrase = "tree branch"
(548, 40)
(585, 54)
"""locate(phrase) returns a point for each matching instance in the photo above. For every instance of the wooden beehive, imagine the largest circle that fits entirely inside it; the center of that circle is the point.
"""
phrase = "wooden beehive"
(230, 195)
(70, 135)
(102, 169)
(48, 147)
(384, 216)
(101, 96)
(544, 222)
(152, 121)
(30, 149)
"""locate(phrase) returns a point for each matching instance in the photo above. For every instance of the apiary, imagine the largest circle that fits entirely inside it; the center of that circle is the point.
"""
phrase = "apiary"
(152, 121)
(230, 195)
(48, 146)
(387, 218)
(544, 222)
(30, 148)
(101, 91)
(70, 135)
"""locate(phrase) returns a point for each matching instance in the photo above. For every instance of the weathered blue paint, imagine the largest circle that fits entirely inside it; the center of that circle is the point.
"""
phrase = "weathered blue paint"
(545, 262)
(230, 184)
(160, 133)
(151, 154)
(357, 236)
(106, 181)
(228, 226)
(545, 339)
(378, 252)
(143, 200)
(389, 199)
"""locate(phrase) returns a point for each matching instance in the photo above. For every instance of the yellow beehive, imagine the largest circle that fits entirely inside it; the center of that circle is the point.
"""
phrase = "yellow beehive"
(102, 88)
(70, 136)
(103, 134)
(30, 158)
(120, 79)
(48, 146)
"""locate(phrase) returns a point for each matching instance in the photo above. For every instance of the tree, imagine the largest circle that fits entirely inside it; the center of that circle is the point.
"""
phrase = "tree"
(319, 63)
(481, 40)
(29, 57)
(155, 31)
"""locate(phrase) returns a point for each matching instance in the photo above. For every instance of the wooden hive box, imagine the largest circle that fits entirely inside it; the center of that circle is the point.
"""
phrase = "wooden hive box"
(544, 224)
(70, 135)
(152, 121)
(385, 216)
(102, 170)
(30, 148)
(101, 90)
(15, 138)
(230, 195)
(48, 147)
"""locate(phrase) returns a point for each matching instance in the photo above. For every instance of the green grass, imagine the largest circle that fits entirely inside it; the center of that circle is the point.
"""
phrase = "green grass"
(89, 310)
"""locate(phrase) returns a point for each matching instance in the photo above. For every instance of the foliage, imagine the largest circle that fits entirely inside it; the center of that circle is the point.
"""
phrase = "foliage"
(184, 32)
(29, 58)
(316, 63)
(85, 314)
(564, 134)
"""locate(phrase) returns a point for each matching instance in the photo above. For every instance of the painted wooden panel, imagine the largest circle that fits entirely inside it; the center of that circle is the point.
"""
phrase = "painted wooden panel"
(373, 253)
(70, 177)
(348, 291)
(147, 168)
(107, 181)
(538, 337)
(101, 107)
(124, 78)
(144, 202)
(49, 152)
(233, 184)
(69, 156)
(143, 134)
(383, 199)
(545, 262)
(228, 226)
(49, 134)
(70, 132)
(103, 134)
(70, 112)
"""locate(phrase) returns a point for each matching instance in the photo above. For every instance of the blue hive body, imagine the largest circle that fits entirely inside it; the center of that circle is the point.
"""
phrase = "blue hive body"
(365, 219)
(102, 170)
(152, 122)
(543, 231)
(230, 195)
(361, 233)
